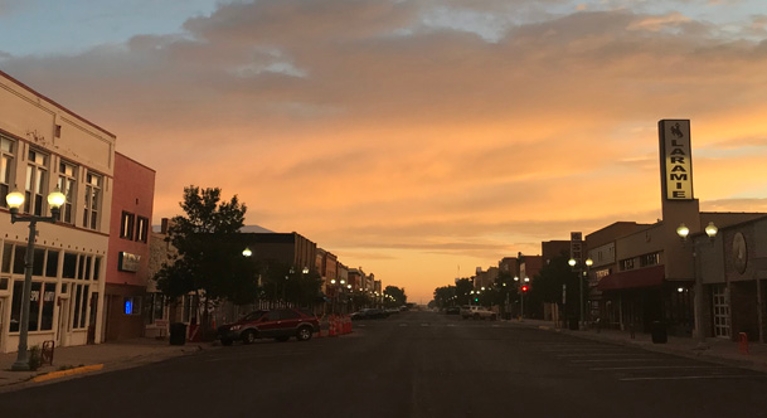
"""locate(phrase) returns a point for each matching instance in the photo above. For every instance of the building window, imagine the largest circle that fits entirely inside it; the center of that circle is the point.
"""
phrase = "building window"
(36, 181)
(52, 264)
(142, 229)
(7, 257)
(6, 167)
(126, 225)
(81, 306)
(84, 270)
(67, 185)
(96, 268)
(649, 260)
(70, 266)
(627, 264)
(154, 308)
(93, 185)
(132, 305)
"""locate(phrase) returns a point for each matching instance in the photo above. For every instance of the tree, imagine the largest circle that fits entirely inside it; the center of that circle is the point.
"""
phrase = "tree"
(395, 296)
(444, 296)
(547, 285)
(207, 262)
(462, 289)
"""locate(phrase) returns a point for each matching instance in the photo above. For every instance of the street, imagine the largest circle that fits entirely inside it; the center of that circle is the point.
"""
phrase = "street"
(413, 364)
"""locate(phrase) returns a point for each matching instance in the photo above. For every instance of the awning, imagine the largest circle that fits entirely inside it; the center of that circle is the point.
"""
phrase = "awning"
(633, 279)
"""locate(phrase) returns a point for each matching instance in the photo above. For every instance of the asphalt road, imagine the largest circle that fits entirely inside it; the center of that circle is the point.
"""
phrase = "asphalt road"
(415, 364)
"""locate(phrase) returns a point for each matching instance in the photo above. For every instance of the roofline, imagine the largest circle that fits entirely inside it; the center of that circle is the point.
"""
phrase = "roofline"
(136, 162)
(55, 103)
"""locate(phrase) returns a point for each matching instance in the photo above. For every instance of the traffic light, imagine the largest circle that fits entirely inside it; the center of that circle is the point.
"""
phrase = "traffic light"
(476, 299)
(525, 288)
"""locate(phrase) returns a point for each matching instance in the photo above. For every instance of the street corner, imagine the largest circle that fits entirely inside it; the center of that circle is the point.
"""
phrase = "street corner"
(67, 372)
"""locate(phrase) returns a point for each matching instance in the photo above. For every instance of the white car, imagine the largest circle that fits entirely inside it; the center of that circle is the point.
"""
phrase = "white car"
(477, 312)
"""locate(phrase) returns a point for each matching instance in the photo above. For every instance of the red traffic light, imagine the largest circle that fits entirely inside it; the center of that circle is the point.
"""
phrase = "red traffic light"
(525, 288)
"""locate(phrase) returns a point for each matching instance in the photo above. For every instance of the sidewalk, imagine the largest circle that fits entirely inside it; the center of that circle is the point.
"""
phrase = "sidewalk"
(69, 361)
(716, 350)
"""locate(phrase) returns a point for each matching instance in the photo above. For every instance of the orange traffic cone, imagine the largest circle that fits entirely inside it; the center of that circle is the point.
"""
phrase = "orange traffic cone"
(332, 330)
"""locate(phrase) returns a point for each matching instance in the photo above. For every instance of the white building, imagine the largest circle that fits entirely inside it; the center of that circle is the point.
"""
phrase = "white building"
(44, 145)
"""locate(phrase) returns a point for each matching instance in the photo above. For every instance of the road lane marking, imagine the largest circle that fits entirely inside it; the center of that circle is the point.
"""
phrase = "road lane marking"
(424, 325)
(451, 325)
(657, 367)
(595, 355)
(606, 360)
(720, 376)
(403, 325)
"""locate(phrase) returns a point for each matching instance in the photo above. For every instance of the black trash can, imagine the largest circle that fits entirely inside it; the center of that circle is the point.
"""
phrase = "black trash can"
(659, 333)
(177, 333)
(573, 324)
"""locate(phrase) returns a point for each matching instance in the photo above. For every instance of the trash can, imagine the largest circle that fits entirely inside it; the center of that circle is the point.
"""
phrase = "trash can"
(573, 324)
(177, 333)
(658, 331)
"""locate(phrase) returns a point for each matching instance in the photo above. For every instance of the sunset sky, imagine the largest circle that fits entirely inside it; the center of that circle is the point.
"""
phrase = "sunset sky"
(413, 138)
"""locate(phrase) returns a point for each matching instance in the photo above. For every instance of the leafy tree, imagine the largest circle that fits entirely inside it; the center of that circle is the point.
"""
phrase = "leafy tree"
(444, 296)
(462, 288)
(395, 296)
(207, 262)
(547, 286)
(290, 284)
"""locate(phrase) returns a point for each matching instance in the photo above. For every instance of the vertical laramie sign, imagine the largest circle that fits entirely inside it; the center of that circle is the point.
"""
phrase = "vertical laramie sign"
(676, 159)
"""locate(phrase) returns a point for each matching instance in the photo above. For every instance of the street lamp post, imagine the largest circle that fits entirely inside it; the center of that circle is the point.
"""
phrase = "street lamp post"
(581, 273)
(683, 231)
(15, 199)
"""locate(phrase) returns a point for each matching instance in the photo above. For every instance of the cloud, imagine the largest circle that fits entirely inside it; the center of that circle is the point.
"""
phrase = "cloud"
(367, 127)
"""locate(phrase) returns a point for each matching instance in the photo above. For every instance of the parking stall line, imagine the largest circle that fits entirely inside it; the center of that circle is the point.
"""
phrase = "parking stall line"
(718, 376)
(659, 368)
(596, 354)
(608, 360)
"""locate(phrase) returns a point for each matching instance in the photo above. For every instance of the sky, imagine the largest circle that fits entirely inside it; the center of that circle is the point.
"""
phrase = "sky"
(417, 139)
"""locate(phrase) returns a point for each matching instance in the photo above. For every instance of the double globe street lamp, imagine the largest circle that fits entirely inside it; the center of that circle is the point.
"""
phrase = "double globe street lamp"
(15, 200)
(589, 262)
(711, 231)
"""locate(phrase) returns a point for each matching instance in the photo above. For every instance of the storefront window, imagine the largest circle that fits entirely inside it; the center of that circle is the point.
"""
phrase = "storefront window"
(19, 253)
(7, 256)
(37, 267)
(52, 264)
(49, 297)
(34, 306)
(70, 266)
(18, 288)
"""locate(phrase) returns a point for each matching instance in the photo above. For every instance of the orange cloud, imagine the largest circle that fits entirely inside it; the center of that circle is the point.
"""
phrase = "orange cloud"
(408, 149)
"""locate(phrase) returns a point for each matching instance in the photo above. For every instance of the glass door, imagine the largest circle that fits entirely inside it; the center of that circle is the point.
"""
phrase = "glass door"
(721, 311)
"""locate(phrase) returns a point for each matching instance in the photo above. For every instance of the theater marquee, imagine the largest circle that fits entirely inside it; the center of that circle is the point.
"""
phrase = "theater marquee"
(676, 155)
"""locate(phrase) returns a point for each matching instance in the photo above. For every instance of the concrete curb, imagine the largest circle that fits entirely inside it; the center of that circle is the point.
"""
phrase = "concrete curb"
(67, 372)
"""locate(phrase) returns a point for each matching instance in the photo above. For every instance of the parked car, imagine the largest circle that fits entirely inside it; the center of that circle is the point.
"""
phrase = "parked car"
(280, 324)
(477, 312)
(452, 310)
(369, 313)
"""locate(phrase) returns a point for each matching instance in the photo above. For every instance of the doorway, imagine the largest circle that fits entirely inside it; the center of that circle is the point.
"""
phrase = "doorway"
(721, 311)
(61, 327)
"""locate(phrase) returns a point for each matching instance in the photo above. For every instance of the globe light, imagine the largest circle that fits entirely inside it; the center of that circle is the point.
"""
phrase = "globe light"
(589, 262)
(571, 262)
(683, 231)
(14, 199)
(56, 199)
(711, 230)
(246, 252)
